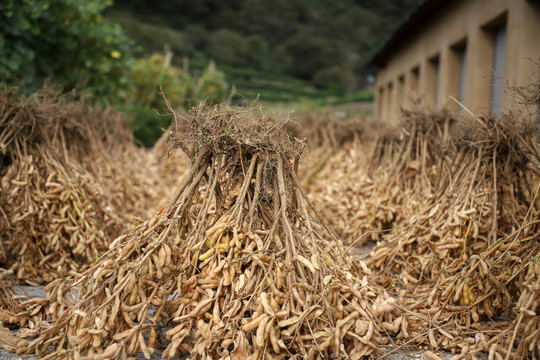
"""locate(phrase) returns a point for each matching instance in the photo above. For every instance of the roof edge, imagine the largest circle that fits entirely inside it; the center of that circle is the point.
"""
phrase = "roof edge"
(414, 21)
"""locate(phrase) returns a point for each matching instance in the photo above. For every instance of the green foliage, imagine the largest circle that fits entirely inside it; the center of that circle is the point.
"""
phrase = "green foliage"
(66, 40)
(335, 78)
(212, 86)
(195, 38)
(258, 51)
(227, 46)
(299, 37)
(148, 124)
(155, 74)
(152, 74)
(151, 37)
(311, 53)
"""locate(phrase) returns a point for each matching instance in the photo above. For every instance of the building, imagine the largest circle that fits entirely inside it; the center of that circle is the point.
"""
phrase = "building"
(465, 49)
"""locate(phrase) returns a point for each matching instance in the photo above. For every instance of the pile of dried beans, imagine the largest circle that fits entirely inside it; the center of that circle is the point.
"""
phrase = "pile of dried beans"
(236, 265)
(72, 181)
(455, 209)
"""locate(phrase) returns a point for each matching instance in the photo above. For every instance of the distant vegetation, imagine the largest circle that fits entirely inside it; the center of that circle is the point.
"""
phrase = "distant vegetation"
(126, 54)
(70, 43)
(308, 48)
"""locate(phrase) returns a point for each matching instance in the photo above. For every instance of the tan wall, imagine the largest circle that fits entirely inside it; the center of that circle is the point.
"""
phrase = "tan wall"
(469, 21)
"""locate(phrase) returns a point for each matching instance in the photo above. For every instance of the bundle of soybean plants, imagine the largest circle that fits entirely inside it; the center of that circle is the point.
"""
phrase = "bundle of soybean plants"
(335, 177)
(65, 188)
(324, 135)
(325, 130)
(355, 191)
(468, 255)
(357, 203)
(235, 266)
(8, 305)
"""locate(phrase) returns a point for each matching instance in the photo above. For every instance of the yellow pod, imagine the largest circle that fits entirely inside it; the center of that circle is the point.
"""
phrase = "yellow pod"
(471, 296)
(134, 294)
(223, 247)
(207, 254)
(151, 338)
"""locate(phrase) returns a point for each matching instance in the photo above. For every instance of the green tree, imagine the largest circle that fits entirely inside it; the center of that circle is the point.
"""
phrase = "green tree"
(151, 76)
(227, 46)
(67, 40)
(195, 38)
(310, 53)
(335, 78)
(212, 86)
(257, 50)
(276, 20)
(301, 37)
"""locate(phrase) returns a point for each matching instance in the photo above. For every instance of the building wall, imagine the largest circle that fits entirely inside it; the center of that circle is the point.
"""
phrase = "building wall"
(426, 67)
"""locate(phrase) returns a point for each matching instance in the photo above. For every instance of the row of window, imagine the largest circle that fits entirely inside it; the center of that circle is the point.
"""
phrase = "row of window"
(390, 98)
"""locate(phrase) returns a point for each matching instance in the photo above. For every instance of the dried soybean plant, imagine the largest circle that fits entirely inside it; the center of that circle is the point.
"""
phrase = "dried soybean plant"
(528, 93)
(356, 203)
(468, 252)
(10, 310)
(363, 187)
(236, 265)
(430, 196)
(65, 181)
(335, 177)
(325, 130)
(5, 289)
(7, 302)
(324, 134)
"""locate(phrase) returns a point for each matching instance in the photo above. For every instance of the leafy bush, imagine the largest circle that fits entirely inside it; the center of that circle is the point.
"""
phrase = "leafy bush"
(67, 40)
(334, 78)
(227, 46)
(310, 52)
(195, 38)
(145, 101)
(148, 124)
(212, 86)
(257, 52)
(154, 73)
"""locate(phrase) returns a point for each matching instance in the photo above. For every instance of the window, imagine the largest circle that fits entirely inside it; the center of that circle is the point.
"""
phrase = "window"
(458, 66)
(538, 120)
(400, 90)
(434, 77)
(390, 102)
(413, 83)
(462, 75)
(499, 55)
(380, 103)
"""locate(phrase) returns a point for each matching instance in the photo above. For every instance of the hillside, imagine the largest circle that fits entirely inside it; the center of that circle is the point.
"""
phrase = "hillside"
(283, 48)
